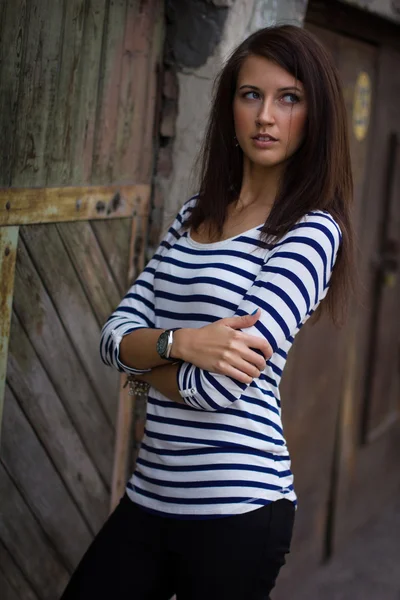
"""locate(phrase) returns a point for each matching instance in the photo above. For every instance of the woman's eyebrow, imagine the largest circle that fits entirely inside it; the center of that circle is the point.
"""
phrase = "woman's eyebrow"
(291, 87)
(282, 89)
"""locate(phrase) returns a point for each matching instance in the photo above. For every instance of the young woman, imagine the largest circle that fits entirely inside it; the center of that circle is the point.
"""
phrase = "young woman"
(209, 511)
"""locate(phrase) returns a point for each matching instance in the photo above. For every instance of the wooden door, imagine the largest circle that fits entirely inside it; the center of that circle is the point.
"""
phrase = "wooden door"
(343, 435)
(370, 427)
(79, 88)
(365, 469)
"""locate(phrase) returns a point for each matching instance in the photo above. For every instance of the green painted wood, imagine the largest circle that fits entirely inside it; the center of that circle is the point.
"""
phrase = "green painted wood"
(60, 139)
(8, 254)
(85, 103)
(39, 73)
(13, 31)
(104, 165)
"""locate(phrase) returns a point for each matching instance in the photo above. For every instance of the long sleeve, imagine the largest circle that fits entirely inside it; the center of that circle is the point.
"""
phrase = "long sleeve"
(292, 282)
(136, 310)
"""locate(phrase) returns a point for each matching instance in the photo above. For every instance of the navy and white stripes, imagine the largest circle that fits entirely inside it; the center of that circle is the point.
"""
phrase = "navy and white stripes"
(224, 451)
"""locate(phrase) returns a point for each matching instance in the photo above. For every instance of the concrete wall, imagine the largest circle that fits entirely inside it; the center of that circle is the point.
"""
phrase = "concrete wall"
(200, 40)
(390, 9)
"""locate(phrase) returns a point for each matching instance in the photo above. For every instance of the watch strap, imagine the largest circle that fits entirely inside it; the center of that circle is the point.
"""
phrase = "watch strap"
(170, 342)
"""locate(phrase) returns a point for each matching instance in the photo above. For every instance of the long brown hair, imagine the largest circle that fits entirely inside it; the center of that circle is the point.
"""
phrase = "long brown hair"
(317, 176)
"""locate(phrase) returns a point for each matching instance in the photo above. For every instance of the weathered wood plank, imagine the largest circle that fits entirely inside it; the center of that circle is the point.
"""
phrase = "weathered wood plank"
(7, 591)
(44, 410)
(90, 264)
(36, 558)
(27, 206)
(113, 238)
(114, 241)
(38, 84)
(41, 486)
(156, 16)
(13, 31)
(73, 307)
(122, 444)
(104, 168)
(15, 576)
(132, 106)
(85, 104)
(60, 138)
(53, 347)
(8, 254)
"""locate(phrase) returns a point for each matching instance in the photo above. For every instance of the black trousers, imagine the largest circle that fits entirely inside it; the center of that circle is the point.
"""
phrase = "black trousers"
(141, 556)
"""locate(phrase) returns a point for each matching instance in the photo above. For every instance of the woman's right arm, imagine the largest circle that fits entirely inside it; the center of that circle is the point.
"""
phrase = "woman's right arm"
(129, 338)
(219, 347)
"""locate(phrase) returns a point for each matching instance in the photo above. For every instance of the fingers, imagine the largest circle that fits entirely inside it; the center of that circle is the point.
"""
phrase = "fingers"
(254, 358)
(247, 369)
(258, 343)
(230, 371)
(242, 322)
(251, 341)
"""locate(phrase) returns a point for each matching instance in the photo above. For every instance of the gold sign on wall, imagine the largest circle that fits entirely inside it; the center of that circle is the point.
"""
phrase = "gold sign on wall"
(362, 105)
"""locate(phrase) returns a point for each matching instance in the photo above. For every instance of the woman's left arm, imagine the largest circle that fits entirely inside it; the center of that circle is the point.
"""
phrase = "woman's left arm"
(293, 281)
(164, 379)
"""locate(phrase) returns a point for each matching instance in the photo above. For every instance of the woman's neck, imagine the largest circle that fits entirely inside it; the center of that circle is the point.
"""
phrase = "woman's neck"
(259, 186)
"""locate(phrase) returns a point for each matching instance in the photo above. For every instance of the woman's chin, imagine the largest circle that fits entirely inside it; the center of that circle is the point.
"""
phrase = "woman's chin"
(264, 162)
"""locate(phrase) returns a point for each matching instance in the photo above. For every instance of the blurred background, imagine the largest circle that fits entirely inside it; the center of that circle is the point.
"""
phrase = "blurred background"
(103, 105)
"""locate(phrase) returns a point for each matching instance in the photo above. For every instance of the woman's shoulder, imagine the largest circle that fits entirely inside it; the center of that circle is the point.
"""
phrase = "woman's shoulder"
(317, 224)
(178, 223)
(317, 231)
(320, 219)
(188, 206)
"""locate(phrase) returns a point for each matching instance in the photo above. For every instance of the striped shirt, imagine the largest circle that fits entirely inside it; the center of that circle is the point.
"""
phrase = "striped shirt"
(223, 452)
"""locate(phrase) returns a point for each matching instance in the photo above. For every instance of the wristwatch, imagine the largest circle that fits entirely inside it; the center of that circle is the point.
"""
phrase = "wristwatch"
(164, 344)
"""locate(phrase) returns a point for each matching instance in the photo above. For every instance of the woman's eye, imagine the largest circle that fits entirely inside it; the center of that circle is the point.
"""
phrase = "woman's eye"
(291, 98)
(252, 95)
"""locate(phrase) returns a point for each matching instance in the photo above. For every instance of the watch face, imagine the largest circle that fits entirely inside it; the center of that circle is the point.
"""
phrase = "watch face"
(162, 344)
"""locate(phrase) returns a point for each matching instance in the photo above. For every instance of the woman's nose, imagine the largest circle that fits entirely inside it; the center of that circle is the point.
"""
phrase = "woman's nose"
(266, 114)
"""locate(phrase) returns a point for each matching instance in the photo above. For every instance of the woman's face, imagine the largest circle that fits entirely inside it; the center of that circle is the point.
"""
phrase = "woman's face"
(270, 112)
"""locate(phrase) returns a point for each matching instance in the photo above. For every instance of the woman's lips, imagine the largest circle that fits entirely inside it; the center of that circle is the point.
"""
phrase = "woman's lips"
(264, 141)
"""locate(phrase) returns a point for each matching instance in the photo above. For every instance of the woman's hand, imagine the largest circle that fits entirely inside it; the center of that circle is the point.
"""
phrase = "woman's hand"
(221, 348)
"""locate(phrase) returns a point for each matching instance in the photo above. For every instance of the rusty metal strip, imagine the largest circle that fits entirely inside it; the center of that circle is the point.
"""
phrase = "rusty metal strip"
(8, 255)
(28, 206)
